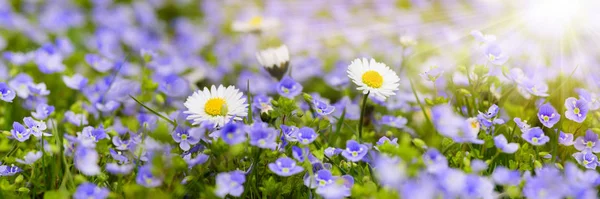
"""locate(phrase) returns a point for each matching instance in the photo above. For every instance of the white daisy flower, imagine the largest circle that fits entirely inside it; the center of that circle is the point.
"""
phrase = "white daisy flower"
(373, 77)
(217, 105)
(254, 24)
(275, 60)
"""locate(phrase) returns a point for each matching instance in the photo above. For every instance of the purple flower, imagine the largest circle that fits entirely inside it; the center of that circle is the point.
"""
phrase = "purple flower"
(76, 81)
(199, 159)
(322, 108)
(185, 137)
(263, 103)
(19, 132)
(146, 178)
(290, 132)
(285, 167)
(263, 136)
(20, 84)
(302, 153)
(390, 171)
(289, 88)
(42, 111)
(6, 94)
(586, 159)
(89, 190)
(432, 74)
(522, 124)
(536, 88)
(98, 63)
(173, 86)
(30, 158)
(398, 122)
(355, 151)
(36, 128)
(108, 107)
(233, 133)
(117, 169)
(306, 135)
(589, 142)
(504, 176)
(576, 109)
(86, 161)
(330, 151)
(435, 161)
(231, 183)
(385, 139)
(118, 156)
(548, 115)
(9, 170)
(503, 144)
(337, 190)
(76, 119)
(591, 98)
(495, 54)
(535, 136)
(38, 89)
(454, 126)
(565, 139)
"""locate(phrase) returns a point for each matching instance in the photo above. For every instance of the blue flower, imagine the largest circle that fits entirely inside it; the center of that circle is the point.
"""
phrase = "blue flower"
(565, 139)
(330, 151)
(502, 144)
(337, 190)
(504, 176)
(384, 140)
(301, 154)
(355, 151)
(199, 159)
(285, 167)
(185, 137)
(38, 89)
(588, 142)
(19, 132)
(30, 158)
(289, 88)
(576, 109)
(454, 126)
(306, 135)
(522, 124)
(118, 156)
(86, 161)
(173, 86)
(586, 159)
(20, 84)
(535, 136)
(548, 115)
(290, 132)
(536, 88)
(76, 82)
(263, 136)
(322, 108)
(76, 119)
(390, 171)
(495, 54)
(107, 107)
(42, 111)
(345, 104)
(6, 94)
(98, 63)
(435, 161)
(591, 98)
(89, 190)
(398, 122)
(231, 183)
(262, 102)
(36, 128)
(146, 178)
(432, 74)
(478, 187)
(233, 133)
(11, 170)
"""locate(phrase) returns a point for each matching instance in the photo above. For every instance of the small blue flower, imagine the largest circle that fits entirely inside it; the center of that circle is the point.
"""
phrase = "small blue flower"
(199, 159)
(185, 137)
(117, 169)
(537, 88)
(285, 167)
(589, 142)
(289, 88)
(38, 89)
(535, 136)
(146, 178)
(6, 94)
(301, 154)
(42, 111)
(432, 74)
(233, 133)
(89, 190)
(118, 156)
(495, 55)
(330, 151)
(98, 63)
(20, 84)
(355, 151)
(306, 135)
(107, 107)
(502, 144)
(19, 132)
(397, 122)
(522, 124)
(262, 103)
(565, 139)
(576, 109)
(173, 86)
(231, 183)
(290, 133)
(263, 136)
(322, 108)
(548, 115)
(504, 176)
(30, 158)
(36, 128)
(586, 159)
(76, 82)
(435, 161)
(390, 171)
(11, 170)
(86, 161)
(76, 119)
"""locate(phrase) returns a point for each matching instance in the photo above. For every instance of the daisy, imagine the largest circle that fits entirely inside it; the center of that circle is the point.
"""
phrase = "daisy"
(275, 60)
(217, 105)
(373, 77)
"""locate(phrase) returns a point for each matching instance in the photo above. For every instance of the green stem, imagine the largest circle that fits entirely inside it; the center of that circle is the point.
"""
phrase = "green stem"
(362, 115)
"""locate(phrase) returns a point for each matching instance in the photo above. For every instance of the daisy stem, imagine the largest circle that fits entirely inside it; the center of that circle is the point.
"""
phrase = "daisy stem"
(362, 115)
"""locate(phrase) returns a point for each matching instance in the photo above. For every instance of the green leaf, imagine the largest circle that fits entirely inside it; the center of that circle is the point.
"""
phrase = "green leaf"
(57, 194)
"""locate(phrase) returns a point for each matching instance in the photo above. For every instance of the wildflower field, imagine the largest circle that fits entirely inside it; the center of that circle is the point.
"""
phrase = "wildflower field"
(299, 99)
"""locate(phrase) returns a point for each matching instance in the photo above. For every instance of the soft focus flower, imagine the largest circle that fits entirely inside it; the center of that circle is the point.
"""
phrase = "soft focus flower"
(586, 159)
(576, 109)
(185, 137)
(435, 161)
(275, 60)
(230, 183)
(30, 158)
(19, 132)
(285, 167)
(322, 108)
(565, 139)
(355, 151)
(289, 88)
(397, 122)
(502, 144)
(146, 178)
(6, 94)
(255, 24)
(504, 176)
(454, 126)
(373, 77)
(86, 161)
(494, 54)
(588, 142)
(89, 190)
(36, 128)
(263, 136)
(218, 105)
(76, 81)
(548, 115)
(306, 135)
(535, 136)
(233, 133)
(42, 111)
(390, 171)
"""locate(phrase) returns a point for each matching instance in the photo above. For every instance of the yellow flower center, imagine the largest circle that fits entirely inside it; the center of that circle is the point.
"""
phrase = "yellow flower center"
(216, 107)
(576, 111)
(590, 144)
(256, 21)
(372, 79)
(184, 137)
(474, 124)
(148, 180)
(354, 153)
(546, 118)
(534, 140)
(285, 170)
